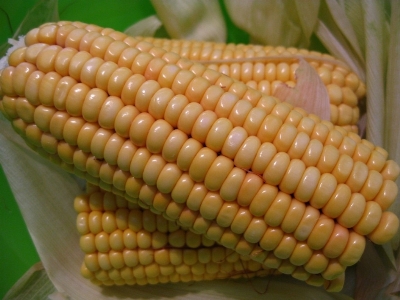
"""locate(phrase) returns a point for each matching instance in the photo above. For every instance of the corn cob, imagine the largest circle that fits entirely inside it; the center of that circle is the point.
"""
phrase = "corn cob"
(264, 68)
(214, 77)
(152, 128)
(125, 244)
(344, 87)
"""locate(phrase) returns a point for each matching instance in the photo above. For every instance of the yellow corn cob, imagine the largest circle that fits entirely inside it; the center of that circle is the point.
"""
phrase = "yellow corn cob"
(116, 48)
(344, 87)
(261, 67)
(265, 67)
(236, 171)
(124, 244)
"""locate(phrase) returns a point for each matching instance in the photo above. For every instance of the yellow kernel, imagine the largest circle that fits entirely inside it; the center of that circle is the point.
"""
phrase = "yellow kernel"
(211, 205)
(241, 221)
(293, 216)
(249, 188)
(87, 243)
(277, 211)
(338, 201)
(324, 190)
(102, 242)
(307, 184)
(231, 186)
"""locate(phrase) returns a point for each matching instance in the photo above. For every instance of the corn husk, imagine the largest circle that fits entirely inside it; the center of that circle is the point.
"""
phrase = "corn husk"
(192, 20)
(146, 27)
(308, 86)
(276, 23)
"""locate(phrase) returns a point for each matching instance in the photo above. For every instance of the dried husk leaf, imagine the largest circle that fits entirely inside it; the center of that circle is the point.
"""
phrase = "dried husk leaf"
(352, 9)
(309, 93)
(34, 284)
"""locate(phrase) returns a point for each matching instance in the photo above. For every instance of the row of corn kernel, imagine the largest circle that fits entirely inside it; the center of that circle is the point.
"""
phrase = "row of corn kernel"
(343, 93)
(140, 275)
(364, 155)
(117, 260)
(272, 219)
(330, 69)
(274, 212)
(369, 192)
(75, 38)
(284, 247)
(322, 130)
(46, 34)
(313, 266)
(344, 145)
(102, 155)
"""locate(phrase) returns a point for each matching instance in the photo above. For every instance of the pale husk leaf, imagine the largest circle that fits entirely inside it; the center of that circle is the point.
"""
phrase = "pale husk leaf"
(145, 27)
(343, 23)
(307, 12)
(309, 93)
(192, 20)
(392, 105)
(353, 9)
(333, 39)
(374, 274)
(34, 284)
(375, 56)
(267, 22)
